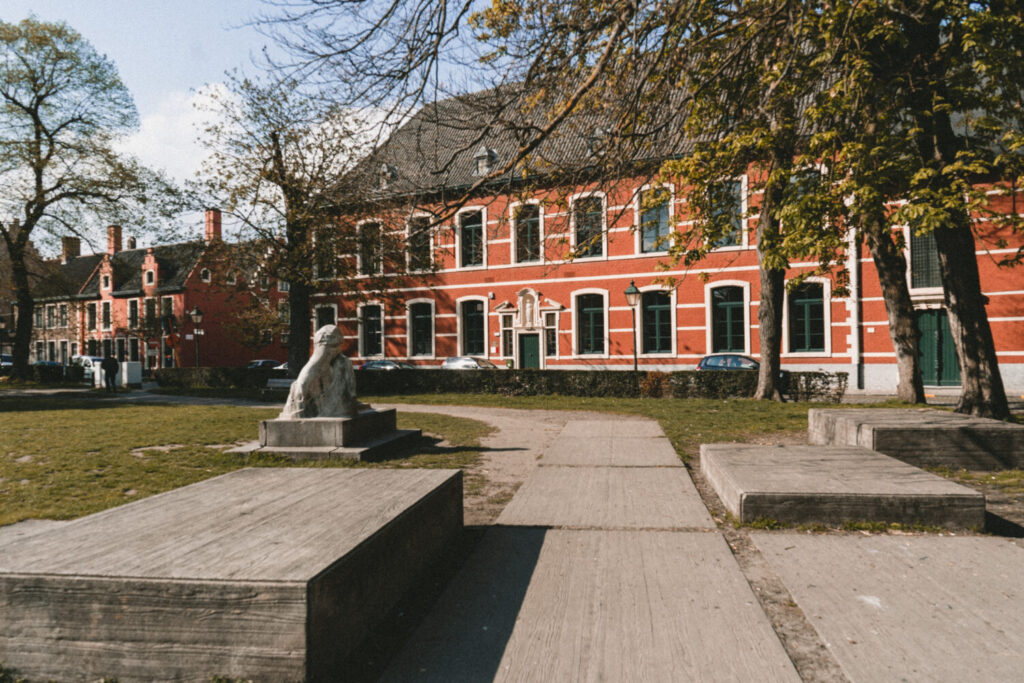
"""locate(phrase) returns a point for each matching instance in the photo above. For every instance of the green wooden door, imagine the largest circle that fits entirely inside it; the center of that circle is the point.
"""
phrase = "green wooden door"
(529, 351)
(939, 367)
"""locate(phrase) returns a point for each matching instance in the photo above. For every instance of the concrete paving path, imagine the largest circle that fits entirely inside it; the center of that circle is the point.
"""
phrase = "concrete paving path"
(605, 566)
(909, 608)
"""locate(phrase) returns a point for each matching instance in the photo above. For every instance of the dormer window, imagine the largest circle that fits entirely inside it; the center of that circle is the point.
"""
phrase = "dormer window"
(597, 142)
(229, 279)
(204, 275)
(150, 277)
(386, 175)
(485, 159)
(106, 282)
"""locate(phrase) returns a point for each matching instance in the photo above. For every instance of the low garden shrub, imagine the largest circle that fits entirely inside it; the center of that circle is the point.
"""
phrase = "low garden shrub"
(801, 386)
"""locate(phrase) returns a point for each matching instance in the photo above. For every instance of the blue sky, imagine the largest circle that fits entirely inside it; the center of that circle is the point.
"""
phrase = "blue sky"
(163, 49)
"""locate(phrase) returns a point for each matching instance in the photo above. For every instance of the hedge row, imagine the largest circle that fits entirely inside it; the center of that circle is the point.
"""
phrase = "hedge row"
(221, 378)
(53, 374)
(800, 386)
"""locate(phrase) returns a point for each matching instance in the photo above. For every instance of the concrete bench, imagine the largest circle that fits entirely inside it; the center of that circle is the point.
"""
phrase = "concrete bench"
(833, 485)
(925, 438)
(269, 574)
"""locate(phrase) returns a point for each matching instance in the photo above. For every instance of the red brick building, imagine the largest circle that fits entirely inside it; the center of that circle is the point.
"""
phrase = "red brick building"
(136, 304)
(505, 288)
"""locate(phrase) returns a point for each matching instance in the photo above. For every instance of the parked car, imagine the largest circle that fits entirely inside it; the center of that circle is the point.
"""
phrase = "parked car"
(728, 361)
(282, 366)
(90, 366)
(51, 363)
(6, 360)
(263, 363)
(467, 363)
(385, 364)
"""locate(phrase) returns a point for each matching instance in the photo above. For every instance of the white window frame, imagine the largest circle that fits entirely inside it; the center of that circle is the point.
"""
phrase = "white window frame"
(230, 278)
(150, 278)
(128, 322)
(826, 302)
(433, 328)
(458, 238)
(105, 281)
(383, 329)
(638, 237)
(512, 208)
(640, 322)
(709, 330)
(106, 315)
(458, 324)
(604, 224)
(545, 328)
(575, 317)
(283, 286)
(205, 275)
(915, 292)
(744, 219)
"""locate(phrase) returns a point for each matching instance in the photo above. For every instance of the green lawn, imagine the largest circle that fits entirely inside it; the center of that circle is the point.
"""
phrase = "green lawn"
(62, 458)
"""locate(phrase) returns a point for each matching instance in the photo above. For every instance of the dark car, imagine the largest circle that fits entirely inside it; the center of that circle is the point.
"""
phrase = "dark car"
(728, 361)
(263, 363)
(467, 363)
(385, 364)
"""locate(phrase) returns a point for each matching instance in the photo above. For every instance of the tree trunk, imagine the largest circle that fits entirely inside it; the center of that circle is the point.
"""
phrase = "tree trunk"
(26, 308)
(981, 384)
(773, 288)
(892, 274)
(298, 326)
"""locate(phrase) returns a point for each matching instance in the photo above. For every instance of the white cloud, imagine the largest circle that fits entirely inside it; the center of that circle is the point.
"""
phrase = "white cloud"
(166, 138)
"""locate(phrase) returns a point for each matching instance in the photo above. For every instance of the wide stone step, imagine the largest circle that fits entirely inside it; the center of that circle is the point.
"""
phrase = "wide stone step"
(923, 437)
(268, 574)
(833, 485)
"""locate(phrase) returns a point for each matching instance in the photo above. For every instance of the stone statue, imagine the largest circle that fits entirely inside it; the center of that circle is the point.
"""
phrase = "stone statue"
(326, 386)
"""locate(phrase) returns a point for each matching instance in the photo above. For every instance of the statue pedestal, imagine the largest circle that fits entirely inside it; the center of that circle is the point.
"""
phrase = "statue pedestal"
(370, 435)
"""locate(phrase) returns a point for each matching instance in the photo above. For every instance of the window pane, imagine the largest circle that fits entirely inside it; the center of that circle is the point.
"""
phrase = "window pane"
(419, 244)
(653, 222)
(656, 313)
(471, 239)
(506, 336)
(807, 318)
(590, 323)
(472, 328)
(924, 261)
(589, 214)
(369, 249)
(421, 316)
(528, 233)
(727, 197)
(372, 331)
(550, 334)
(728, 332)
(324, 316)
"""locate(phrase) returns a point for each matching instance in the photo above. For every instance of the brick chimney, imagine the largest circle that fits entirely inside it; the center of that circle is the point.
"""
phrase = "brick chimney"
(113, 239)
(71, 248)
(212, 225)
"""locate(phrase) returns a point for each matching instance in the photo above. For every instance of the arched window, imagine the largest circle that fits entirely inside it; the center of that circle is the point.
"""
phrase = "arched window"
(728, 328)
(656, 316)
(471, 317)
(590, 324)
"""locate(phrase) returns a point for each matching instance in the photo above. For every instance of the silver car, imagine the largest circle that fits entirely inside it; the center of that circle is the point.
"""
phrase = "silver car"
(467, 363)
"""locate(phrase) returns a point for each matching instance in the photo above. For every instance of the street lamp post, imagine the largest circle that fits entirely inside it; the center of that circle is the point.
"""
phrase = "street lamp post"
(633, 298)
(197, 319)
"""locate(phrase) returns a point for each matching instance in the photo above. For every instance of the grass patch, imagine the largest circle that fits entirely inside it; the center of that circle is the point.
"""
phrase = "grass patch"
(61, 458)
(1005, 481)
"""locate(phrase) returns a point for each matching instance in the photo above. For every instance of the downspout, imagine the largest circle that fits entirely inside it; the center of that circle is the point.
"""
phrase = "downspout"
(854, 309)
